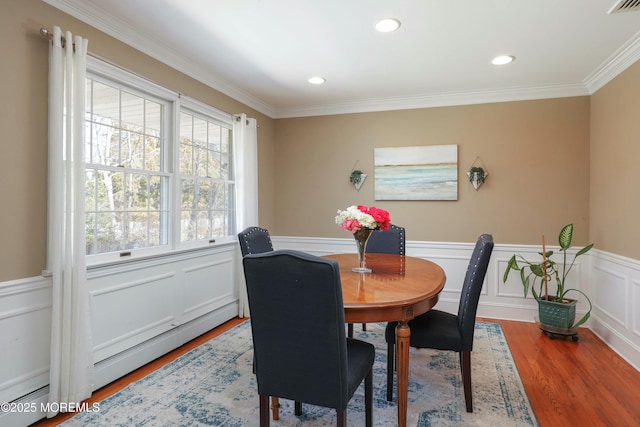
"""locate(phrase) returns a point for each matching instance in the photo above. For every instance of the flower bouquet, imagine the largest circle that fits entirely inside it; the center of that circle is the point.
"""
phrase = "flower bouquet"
(361, 221)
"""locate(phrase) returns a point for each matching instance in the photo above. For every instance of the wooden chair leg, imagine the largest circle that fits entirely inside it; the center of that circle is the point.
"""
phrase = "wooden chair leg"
(264, 411)
(368, 399)
(465, 365)
(390, 366)
(298, 408)
(342, 418)
(350, 330)
(275, 408)
(364, 327)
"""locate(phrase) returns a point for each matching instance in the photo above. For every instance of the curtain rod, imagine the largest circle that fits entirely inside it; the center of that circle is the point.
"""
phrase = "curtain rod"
(49, 35)
(238, 118)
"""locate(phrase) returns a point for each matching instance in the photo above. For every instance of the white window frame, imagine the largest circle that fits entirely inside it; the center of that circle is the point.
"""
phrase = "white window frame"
(108, 73)
(191, 106)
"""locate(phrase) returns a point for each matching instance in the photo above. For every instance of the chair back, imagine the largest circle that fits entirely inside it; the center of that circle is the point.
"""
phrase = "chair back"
(472, 287)
(254, 240)
(298, 327)
(390, 241)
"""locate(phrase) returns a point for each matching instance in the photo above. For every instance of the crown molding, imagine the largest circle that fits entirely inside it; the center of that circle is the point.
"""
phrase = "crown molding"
(90, 13)
(619, 61)
(445, 99)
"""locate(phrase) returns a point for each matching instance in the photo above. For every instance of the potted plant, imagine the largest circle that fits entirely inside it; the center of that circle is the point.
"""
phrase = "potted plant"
(555, 310)
(477, 176)
(357, 177)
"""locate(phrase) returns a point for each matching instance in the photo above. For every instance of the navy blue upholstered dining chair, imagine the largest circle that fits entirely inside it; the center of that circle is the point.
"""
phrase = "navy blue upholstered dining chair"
(445, 331)
(391, 241)
(254, 240)
(297, 323)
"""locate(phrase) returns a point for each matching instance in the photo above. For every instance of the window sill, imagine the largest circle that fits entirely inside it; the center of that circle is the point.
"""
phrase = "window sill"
(140, 257)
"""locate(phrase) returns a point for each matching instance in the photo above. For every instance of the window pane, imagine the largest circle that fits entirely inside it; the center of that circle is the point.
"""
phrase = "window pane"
(199, 132)
(155, 228)
(106, 104)
(153, 118)
(138, 193)
(187, 225)
(137, 229)
(108, 232)
(200, 160)
(204, 159)
(214, 166)
(186, 159)
(152, 154)
(157, 186)
(115, 183)
(127, 192)
(188, 194)
(132, 111)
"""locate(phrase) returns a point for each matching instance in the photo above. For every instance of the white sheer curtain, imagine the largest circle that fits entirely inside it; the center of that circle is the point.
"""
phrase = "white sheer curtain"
(71, 364)
(245, 133)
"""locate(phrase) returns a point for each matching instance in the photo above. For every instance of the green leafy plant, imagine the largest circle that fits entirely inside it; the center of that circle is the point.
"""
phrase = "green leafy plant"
(540, 273)
(355, 177)
(477, 173)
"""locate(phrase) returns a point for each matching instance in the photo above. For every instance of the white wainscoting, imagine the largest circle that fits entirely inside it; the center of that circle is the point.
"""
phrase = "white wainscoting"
(611, 281)
(143, 310)
(615, 290)
(140, 311)
(25, 316)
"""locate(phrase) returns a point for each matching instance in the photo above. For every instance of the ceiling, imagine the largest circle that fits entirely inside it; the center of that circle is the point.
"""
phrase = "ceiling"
(261, 52)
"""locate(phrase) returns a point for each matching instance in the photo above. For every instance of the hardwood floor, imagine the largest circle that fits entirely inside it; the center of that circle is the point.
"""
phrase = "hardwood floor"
(569, 383)
(582, 383)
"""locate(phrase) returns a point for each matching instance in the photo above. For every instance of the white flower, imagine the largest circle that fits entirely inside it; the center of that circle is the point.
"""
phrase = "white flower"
(353, 213)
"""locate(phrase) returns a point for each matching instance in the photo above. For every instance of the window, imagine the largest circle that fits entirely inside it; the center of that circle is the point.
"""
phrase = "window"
(159, 170)
(205, 178)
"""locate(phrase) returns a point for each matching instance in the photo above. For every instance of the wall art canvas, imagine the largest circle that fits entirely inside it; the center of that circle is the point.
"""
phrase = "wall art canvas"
(416, 173)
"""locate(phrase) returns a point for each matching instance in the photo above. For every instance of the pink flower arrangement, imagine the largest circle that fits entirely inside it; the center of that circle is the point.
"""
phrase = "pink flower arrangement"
(356, 218)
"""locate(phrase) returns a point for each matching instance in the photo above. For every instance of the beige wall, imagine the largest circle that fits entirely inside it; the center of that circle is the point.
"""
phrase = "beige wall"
(550, 162)
(615, 149)
(23, 120)
(536, 153)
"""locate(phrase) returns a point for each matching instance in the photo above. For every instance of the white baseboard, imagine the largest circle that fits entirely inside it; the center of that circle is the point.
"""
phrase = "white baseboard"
(121, 364)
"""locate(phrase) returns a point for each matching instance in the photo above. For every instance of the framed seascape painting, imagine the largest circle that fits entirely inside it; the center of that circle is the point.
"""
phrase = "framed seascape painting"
(416, 173)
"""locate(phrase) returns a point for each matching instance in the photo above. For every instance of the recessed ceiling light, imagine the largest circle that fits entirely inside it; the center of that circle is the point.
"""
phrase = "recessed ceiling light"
(387, 25)
(503, 59)
(317, 80)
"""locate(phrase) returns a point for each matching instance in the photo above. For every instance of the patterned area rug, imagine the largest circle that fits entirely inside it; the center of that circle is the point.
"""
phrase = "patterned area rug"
(213, 385)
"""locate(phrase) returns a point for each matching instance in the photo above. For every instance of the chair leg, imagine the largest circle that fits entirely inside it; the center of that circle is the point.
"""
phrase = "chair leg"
(465, 365)
(342, 418)
(390, 361)
(350, 330)
(275, 408)
(368, 399)
(364, 327)
(264, 411)
(297, 408)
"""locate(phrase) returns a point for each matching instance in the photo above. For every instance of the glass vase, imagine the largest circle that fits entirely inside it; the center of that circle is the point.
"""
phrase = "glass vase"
(361, 237)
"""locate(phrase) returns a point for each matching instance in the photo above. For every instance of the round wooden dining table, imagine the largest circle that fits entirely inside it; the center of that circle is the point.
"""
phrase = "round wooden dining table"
(398, 288)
